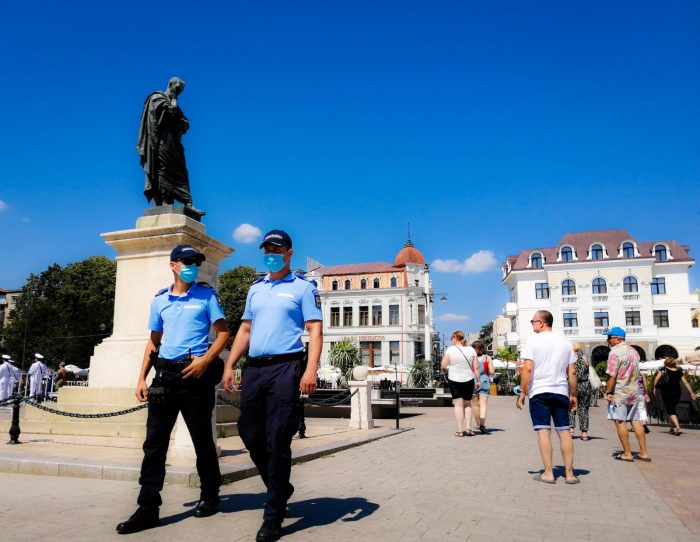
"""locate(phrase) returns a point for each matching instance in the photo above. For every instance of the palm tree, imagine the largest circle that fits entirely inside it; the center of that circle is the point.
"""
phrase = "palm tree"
(345, 356)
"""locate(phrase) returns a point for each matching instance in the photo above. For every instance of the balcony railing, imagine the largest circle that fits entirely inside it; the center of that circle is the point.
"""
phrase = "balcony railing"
(600, 299)
(570, 331)
(570, 299)
(634, 330)
(601, 330)
(630, 297)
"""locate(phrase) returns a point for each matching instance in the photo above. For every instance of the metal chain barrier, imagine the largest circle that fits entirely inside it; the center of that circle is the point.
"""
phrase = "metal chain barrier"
(331, 401)
(80, 415)
(8, 401)
(229, 402)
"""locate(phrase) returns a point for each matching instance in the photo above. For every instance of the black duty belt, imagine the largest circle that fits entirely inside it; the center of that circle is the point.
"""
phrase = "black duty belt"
(163, 364)
(264, 361)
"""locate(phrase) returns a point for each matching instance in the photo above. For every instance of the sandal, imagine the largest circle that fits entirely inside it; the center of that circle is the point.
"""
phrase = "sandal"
(585, 438)
(469, 433)
(459, 433)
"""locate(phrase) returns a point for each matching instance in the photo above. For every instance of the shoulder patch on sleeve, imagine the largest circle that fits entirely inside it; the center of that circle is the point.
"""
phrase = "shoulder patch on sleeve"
(317, 298)
(259, 280)
(205, 285)
(161, 292)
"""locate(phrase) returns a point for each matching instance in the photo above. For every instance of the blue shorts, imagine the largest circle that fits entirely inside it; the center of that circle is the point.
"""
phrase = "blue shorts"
(545, 407)
(485, 385)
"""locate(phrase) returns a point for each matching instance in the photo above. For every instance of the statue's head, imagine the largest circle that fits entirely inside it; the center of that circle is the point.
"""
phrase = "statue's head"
(176, 85)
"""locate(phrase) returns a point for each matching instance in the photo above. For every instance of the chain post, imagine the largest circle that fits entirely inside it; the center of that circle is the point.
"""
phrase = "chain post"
(14, 428)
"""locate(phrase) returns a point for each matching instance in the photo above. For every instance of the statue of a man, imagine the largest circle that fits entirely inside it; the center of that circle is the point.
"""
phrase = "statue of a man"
(162, 155)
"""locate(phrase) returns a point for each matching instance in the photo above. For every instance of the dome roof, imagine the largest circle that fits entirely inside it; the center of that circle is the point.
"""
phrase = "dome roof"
(408, 254)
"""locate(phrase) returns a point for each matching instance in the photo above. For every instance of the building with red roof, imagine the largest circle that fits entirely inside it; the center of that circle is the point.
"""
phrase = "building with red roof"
(383, 307)
(598, 279)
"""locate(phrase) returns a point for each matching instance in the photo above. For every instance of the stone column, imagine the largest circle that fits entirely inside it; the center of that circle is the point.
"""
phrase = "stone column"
(361, 405)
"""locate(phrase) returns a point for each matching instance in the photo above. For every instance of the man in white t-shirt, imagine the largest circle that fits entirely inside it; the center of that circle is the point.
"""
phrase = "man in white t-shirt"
(548, 377)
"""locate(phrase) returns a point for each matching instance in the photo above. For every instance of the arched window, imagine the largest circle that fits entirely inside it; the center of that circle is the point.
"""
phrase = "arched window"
(630, 285)
(363, 284)
(627, 250)
(394, 282)
(347, 285)
(567, 254)
(597, 252)
(568, 287)
(375, 283)
(600, 286)
(536, 260)
(661, 253)
(334, 285)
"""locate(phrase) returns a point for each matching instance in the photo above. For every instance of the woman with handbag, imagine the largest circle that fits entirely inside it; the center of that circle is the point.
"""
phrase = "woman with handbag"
(462, 378)
(486, 370)
(669, 382)
(583, 395)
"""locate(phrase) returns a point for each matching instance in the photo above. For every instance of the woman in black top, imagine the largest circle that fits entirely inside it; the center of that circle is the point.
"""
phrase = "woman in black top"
(668, 382)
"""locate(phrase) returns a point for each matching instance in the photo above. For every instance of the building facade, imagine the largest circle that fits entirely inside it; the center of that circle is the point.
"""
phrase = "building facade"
(8, 303)
(384, 308)
(599, 279)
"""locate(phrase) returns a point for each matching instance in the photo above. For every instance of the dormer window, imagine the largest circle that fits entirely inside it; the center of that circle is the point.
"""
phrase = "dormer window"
(567, 254)
(536, 260)
(628, 250)
(661, 253)
(596, 252)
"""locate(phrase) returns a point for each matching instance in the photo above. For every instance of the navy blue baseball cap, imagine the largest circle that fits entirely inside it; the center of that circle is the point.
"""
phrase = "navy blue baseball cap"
(616, 332)
(278, 238)
(182, 252)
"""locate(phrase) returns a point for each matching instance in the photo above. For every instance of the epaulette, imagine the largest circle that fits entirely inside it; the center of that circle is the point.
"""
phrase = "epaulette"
(161, 292)
(302, 277)
(259, 280)
(205, 285)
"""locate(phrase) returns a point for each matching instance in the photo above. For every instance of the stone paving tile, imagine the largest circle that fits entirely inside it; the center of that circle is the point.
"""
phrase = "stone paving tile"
(424, 484)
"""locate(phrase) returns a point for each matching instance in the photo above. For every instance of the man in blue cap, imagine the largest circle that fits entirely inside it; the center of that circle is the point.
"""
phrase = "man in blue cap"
(186, 375)
(622, 393)
(278, 307)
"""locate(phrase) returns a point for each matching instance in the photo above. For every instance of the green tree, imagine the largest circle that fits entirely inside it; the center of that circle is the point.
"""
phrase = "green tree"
(233, 289)
(486, 334)
(346, 356)
(420, 373)
(66, 312)
(506, 354)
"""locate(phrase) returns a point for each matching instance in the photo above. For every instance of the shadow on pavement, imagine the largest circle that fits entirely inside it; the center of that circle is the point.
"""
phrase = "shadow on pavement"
(559, 471)
(327, 510)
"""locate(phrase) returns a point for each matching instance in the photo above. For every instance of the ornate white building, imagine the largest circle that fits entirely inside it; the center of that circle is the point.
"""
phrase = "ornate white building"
(385, 308)
(599, 279)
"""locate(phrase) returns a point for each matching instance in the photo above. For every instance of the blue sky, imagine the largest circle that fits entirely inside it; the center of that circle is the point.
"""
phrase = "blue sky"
(489, 126)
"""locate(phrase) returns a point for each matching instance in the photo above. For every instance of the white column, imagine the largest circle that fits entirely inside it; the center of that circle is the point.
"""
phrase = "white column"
(361, 405)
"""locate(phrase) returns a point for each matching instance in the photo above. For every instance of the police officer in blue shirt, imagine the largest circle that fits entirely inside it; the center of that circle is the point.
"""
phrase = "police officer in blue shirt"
(278, 307)
(187, 372)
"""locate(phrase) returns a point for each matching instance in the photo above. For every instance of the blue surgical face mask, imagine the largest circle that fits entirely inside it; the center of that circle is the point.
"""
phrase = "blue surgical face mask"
(273, 262)
(188, 273)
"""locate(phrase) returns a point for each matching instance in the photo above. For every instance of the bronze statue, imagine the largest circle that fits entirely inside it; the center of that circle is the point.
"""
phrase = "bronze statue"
(162, 155)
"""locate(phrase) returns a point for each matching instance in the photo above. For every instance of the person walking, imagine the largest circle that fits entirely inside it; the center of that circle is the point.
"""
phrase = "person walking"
(486, 370)
(4, 377)
(461, 363)
(668, 382)
(548, 378)
(622, 394)
(278, 308)
(36, 374)
(187, 372)
(583, 394)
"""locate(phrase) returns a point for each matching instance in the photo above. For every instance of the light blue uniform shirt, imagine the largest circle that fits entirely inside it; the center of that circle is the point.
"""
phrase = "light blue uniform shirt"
(278, 310)
(185, 320)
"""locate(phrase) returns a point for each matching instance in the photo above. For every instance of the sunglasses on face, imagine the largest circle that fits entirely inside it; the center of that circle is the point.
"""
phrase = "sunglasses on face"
(190, 261)
(533, 322)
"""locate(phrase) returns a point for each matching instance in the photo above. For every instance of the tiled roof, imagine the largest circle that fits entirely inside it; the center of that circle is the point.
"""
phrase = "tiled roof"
(356, 268)
(611, 239)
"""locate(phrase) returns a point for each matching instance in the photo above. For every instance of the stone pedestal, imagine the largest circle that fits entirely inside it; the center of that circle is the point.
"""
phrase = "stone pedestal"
(361, 405)
(143, 254)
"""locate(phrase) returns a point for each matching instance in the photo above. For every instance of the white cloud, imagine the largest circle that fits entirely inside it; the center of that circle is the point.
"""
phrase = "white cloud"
(451, 317)
(247, 233)
(479, 262)
(3, 205)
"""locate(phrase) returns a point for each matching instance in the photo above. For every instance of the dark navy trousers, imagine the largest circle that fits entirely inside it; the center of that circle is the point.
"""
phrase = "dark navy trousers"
(269, 419)
(195, 399)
